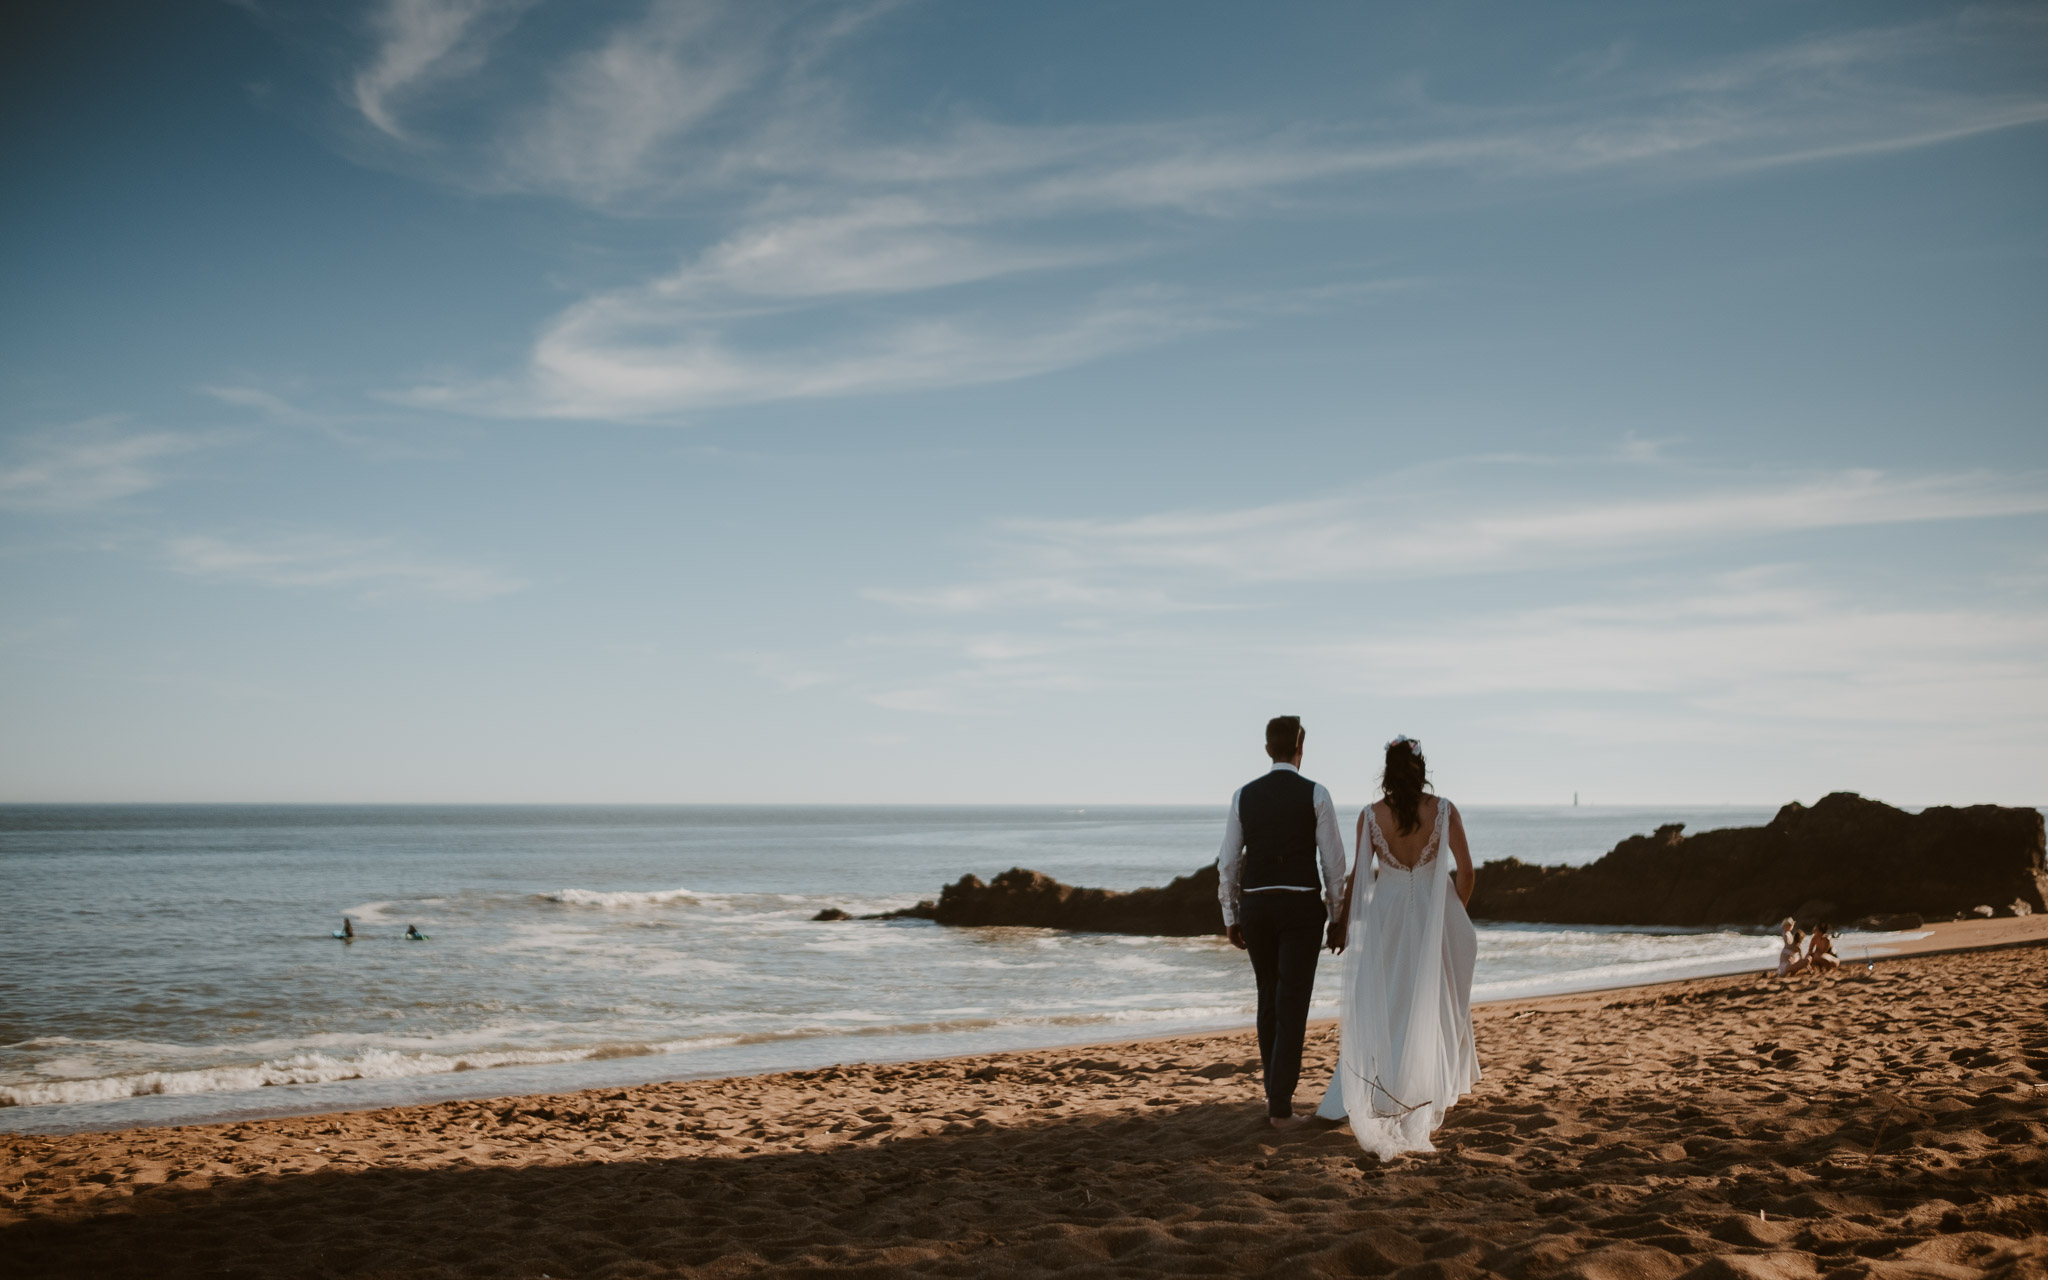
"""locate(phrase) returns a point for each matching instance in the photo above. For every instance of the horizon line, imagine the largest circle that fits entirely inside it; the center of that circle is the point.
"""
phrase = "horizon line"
(929, 804)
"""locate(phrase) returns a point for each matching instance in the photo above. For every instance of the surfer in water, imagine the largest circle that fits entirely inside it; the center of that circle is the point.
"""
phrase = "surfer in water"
(348, 931)
(413, 934)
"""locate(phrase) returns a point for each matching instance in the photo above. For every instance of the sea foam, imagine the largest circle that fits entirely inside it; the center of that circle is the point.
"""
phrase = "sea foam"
(600, 898)
(317, 1068)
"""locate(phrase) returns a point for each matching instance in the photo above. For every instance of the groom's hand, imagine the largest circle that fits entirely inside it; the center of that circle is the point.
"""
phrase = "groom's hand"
(1236, 936)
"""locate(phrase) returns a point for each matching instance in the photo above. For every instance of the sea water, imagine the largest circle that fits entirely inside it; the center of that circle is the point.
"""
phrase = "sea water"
(172, 964)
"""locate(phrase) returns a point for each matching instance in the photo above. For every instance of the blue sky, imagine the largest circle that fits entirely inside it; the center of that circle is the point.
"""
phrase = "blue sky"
(494, 400)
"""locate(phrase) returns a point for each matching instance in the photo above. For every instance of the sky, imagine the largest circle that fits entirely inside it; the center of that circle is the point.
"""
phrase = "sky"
(525, 401)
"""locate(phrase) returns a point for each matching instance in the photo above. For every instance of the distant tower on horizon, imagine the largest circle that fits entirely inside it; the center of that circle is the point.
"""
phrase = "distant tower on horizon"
(1575, 799)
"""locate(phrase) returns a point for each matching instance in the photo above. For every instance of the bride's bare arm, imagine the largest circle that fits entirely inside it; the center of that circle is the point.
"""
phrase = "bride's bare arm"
(1463, 853)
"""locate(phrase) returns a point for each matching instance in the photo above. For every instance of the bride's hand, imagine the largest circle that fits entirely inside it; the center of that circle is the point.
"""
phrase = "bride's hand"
(1335, 940)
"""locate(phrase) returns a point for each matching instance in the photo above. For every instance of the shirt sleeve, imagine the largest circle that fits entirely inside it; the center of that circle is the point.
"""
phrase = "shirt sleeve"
(1330, 843)
(1230, 863)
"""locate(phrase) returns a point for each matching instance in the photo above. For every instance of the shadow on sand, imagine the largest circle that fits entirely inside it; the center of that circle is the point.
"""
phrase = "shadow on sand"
(1191, 1190)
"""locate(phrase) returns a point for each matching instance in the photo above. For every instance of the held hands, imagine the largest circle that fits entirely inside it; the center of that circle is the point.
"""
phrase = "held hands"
(1334, 940)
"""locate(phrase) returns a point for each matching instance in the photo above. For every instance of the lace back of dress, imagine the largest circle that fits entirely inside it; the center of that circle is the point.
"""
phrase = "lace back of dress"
(1377, 836)
(1429, 851)
(1436, 835)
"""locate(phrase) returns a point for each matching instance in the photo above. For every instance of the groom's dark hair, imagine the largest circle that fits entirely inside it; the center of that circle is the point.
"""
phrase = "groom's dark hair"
(1283, 737)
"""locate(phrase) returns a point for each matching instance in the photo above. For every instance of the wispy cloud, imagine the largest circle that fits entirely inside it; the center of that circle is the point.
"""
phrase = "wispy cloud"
(1426, 523)
(420, 42)
(754, 89)
(749, 117)
(1750, 648)
(374, 568)
(268, 404)
(88, 464)
(1651, 648)
(375, 435)
(613, 111)
(616, 357)
(986, 671)
(610, 117)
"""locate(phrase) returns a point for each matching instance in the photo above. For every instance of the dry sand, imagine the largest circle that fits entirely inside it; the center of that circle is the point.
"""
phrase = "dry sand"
(1891, 1125)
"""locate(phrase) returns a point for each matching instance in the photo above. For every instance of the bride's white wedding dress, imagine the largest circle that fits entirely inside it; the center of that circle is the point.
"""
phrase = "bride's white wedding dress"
(1406, 1020)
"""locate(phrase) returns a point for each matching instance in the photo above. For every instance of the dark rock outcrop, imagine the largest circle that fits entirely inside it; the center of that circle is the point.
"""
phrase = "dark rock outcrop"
(1185, 908)
(1842, 859)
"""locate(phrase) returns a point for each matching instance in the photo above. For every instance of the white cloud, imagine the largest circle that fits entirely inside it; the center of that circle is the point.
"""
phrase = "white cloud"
(738, 113)
(885, 245)
(87, 464)
(1659, 653)
(726, 109)
(604, 117)
(610, 113)
(951, 673)
(371, 434)
(373, 567)
(688, 95)
(420, 42)
(1749, 649)
(616, 357)
(1420, 525)
(269, 404)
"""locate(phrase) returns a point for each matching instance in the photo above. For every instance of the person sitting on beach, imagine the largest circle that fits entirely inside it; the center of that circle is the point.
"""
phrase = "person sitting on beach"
(1789, 938)
(1820, 953)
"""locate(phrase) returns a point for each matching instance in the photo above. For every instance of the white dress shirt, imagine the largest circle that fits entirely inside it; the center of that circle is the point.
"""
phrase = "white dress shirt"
(1329, 843)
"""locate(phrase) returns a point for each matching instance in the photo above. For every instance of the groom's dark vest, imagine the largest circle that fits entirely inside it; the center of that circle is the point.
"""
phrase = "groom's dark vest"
(1278, 816)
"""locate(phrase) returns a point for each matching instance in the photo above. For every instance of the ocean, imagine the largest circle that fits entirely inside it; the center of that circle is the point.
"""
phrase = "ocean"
(174, 964)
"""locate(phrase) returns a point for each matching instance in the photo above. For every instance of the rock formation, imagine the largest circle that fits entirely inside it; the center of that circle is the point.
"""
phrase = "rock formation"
(1185, 908)
(1842, 860)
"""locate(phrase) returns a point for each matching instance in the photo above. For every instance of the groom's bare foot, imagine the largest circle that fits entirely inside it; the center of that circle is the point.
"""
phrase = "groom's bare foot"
(1286, 1122)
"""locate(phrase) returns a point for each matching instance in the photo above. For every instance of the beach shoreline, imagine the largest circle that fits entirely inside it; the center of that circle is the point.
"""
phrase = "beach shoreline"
(1896, 1118)
(278, 1101)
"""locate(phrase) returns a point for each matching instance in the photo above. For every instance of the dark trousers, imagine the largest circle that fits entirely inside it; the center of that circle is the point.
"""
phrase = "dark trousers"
(1283, 932)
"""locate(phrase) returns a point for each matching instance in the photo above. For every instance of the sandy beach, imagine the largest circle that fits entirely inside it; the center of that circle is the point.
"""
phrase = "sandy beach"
(1890, 1124)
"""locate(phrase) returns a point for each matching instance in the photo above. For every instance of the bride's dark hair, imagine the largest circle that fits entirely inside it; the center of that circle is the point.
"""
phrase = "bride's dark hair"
(1402, 783)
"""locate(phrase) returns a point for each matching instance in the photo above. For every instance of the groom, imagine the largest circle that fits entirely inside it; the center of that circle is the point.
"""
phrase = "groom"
(1272, 906)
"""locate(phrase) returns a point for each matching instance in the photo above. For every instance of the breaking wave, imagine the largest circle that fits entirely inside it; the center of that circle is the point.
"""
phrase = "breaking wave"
(600, 898)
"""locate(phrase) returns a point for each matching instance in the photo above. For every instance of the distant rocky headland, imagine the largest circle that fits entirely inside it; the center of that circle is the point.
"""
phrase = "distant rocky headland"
(1843, 859)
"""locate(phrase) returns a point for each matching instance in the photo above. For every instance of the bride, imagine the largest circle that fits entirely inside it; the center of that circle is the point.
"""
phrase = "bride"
(1406, 1020)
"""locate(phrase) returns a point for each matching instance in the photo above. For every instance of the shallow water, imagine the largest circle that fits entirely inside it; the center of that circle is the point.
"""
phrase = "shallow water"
(172, 963)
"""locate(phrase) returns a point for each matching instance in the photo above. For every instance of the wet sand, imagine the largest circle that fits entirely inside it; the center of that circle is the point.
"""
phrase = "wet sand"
(1889, 1124)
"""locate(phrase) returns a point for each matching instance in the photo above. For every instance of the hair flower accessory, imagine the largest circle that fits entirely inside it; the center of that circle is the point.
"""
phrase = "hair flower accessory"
(1400, 738)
